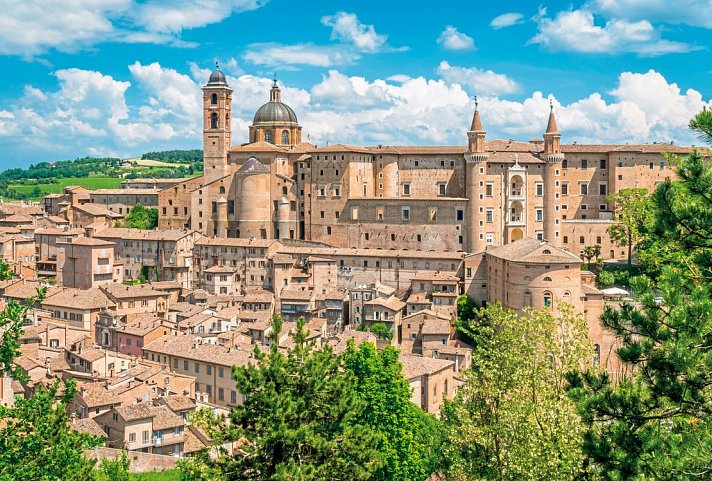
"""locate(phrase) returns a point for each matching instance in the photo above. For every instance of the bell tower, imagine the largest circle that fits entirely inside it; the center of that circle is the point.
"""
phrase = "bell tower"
(217, 103)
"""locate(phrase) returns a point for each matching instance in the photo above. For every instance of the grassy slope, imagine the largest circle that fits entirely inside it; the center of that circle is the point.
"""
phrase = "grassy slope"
(88, 182)
(168, 475)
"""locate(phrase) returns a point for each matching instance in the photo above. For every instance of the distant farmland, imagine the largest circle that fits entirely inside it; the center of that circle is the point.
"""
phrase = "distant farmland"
(88, 182)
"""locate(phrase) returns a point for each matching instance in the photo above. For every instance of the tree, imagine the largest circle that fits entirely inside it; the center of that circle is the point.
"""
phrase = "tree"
(591, 252)
(632, 208)
(116, 469)
(381, 331)
(299, 420)
(656, 423)
(512, 419)
(5, 272)
(142, 217)
(36, 441)
(408, 438)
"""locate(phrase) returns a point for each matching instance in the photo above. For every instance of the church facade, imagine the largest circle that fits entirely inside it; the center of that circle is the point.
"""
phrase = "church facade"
(470, 197)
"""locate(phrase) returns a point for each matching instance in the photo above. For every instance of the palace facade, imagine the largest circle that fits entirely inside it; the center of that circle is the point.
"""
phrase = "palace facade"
(469, 197)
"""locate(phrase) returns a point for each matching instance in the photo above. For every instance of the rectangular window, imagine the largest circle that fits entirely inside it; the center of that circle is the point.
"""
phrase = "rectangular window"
(354, 213)
(489, 215)
(584, 188)
(405, 213)
(132, 437)
(442, 189)
(602, 164)
(197, 367)
(602, 189)
(539, 189)
(490, 238)
(489, 189)
(185, 365)
(406, 189)
(460, 215)
(539, 235)
(565, 188)
(584, 164)
(539, 215)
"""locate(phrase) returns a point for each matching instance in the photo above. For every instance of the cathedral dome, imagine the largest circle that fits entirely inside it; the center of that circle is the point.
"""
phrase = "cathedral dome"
(275, 111)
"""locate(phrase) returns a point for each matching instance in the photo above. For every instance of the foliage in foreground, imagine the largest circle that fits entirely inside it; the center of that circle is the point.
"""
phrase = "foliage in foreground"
(409, 439)
(299, 420)
(657, 423)
(512, 419)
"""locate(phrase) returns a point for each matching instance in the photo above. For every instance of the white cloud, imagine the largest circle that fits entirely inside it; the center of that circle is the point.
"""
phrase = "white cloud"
(89, 112)
(575, 30)
(452, 39)
(176, 15)
(276, 54)
(33, 28)
(506, 20)
(346, 27)
(690, 12)
(479, 82)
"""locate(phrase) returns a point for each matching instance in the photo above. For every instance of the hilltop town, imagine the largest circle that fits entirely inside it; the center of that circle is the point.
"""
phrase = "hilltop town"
(365, 243)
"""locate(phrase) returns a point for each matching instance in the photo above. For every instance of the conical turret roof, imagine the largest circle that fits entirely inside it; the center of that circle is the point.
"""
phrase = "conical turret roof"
(551, 127)
(476, 120)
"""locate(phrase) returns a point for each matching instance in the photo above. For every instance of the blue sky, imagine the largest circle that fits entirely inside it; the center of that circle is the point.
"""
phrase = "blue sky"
(121, 77)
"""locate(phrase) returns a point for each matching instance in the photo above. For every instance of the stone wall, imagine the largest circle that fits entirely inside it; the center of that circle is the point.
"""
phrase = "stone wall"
(140, 462)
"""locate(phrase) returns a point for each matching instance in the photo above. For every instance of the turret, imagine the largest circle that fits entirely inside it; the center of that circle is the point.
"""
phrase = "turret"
(476, 171)
(553, 157)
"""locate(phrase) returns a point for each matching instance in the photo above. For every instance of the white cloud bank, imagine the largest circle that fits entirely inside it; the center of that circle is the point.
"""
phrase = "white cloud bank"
(32, 28)
(89, 112)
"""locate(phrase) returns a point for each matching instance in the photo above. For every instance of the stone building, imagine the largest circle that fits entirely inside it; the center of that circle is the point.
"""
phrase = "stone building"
(421, 198)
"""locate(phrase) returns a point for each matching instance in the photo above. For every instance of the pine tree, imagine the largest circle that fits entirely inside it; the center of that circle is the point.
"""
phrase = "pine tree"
(409, 439)
(299, 420)
(657, 422)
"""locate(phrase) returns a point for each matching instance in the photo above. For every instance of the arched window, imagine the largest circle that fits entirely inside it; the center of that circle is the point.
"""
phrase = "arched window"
(547, 279)
(546, 251)
(268, 136)
(566, 297)
(527, 298)
(214, 99)
(222, 189)
(285, 137)
(213, 120)
(548, 300)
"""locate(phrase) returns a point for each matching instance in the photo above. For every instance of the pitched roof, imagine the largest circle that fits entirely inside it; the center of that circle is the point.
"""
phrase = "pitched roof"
(533, 251)
(164, 418)
(551, 127)
(178, 402)
(436, 326)
(414, 366)
(122, 291)
(187, 347)
(79, 299)
(124, 233)
(87, 426)
(392, 303)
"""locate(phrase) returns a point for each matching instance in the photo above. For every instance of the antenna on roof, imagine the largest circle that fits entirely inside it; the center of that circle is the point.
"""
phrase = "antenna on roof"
(551, 104)
(476, 103)
(274, 80)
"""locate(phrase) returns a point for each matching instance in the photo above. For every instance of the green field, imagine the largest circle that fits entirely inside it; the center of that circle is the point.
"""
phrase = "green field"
(88, 182)
(168, 475)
